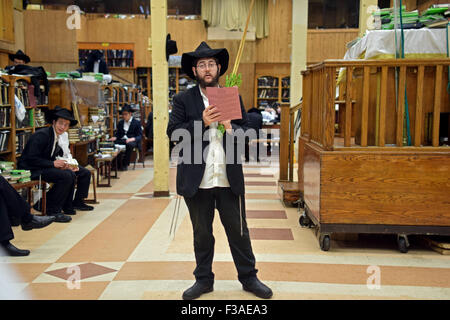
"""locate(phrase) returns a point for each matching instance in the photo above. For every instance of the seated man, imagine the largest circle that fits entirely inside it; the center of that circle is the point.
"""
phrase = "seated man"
(14, 208)
(129, 133)
(39, 156)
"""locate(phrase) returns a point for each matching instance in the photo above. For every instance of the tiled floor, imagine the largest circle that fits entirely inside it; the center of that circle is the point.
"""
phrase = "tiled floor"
(124, 250)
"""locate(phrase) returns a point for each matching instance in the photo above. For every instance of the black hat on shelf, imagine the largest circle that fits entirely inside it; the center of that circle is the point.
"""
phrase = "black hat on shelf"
(127, 108)
(19, 55)
(204, 51)
(171, 47)
(59, 112)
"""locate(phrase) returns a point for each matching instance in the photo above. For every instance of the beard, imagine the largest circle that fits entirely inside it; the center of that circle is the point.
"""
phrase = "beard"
(213, 83)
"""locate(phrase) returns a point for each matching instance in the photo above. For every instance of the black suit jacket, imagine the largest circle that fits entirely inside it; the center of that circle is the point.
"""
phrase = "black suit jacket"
(37, 153)
(186, 112)
(134, 131)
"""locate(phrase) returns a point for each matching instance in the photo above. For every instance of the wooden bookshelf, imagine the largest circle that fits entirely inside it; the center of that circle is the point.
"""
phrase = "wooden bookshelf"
(18, 133)
(176, 75)
(270, 89)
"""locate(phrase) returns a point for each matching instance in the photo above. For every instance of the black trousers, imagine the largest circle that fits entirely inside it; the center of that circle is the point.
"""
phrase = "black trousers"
(12, 208)
(61, 195)
(201, 209)
(125, 160)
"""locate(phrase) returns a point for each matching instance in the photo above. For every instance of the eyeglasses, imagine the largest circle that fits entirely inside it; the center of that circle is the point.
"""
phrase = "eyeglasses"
(210, 65)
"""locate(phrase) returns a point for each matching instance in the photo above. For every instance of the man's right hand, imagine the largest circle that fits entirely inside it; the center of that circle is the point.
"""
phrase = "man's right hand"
(112, 139)
(210, 115)
(60, 164)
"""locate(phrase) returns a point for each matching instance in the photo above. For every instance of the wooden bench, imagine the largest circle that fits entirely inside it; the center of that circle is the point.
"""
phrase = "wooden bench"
(29, 186)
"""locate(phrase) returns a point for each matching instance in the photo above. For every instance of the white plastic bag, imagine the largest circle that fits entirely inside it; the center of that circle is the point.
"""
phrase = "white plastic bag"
(20, 109)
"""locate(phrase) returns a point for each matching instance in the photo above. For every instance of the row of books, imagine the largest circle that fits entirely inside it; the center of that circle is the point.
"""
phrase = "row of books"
(21, 140)
(17, 176)
(5, 169)
(21, 91)
(267, 82)
(4, 93)
(436, 16)
(39, 118)
(5, 114)
(268, 93)
(4, 140)
(119, 54)
(97, 114)
(74, 135)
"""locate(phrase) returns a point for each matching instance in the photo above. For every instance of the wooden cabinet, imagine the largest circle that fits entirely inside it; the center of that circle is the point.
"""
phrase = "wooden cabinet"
(271, 89)
(7, 20)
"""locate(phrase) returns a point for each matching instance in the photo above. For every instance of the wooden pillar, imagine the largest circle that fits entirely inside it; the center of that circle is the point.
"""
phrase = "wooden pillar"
(299, 45)
(284, 142)
(160, 89)
(365, 13)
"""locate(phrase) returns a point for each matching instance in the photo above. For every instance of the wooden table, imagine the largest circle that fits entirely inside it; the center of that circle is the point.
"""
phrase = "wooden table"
(29, 185)
(80, 151)
(106, 163)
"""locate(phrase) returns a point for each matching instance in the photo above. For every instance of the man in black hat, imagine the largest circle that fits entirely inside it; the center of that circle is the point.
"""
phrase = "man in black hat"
(128, 133)
(96, 63)
(214, 182)
(14, 210)
(19, 58)
(39, 156)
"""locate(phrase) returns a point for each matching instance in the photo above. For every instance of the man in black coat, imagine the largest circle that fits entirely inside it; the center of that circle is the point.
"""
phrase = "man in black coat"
(39, 156)
(14, 210)
(214, 182)
(128, 133)
(96, 63)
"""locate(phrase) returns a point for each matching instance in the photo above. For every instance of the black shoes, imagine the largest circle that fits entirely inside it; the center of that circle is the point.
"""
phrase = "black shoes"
(60, 217)
(197, 290)
(258, 288)
(38, 222)
(12, 251)
(254, 286)
(70, 211)
(82, 206)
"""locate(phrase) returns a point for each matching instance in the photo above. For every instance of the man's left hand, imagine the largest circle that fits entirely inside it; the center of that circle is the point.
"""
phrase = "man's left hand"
(226, 124)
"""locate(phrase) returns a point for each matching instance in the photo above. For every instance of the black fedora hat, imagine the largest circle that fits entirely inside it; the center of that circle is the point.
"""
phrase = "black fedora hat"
(171, 47)
(59, 112)
(19, 55)
(127, 108)
(204, 51)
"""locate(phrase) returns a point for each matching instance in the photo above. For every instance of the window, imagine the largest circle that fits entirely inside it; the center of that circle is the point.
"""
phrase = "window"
(174, 7)
(326, 14)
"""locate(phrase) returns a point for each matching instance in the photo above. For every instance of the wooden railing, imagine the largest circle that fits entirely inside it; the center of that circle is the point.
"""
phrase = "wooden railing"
(380, 103)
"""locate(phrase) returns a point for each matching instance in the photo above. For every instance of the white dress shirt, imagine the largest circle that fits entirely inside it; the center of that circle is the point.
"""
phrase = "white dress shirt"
(96, 66)
(63, 142)
(126, 126)
(55, 141)
(215, 170)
